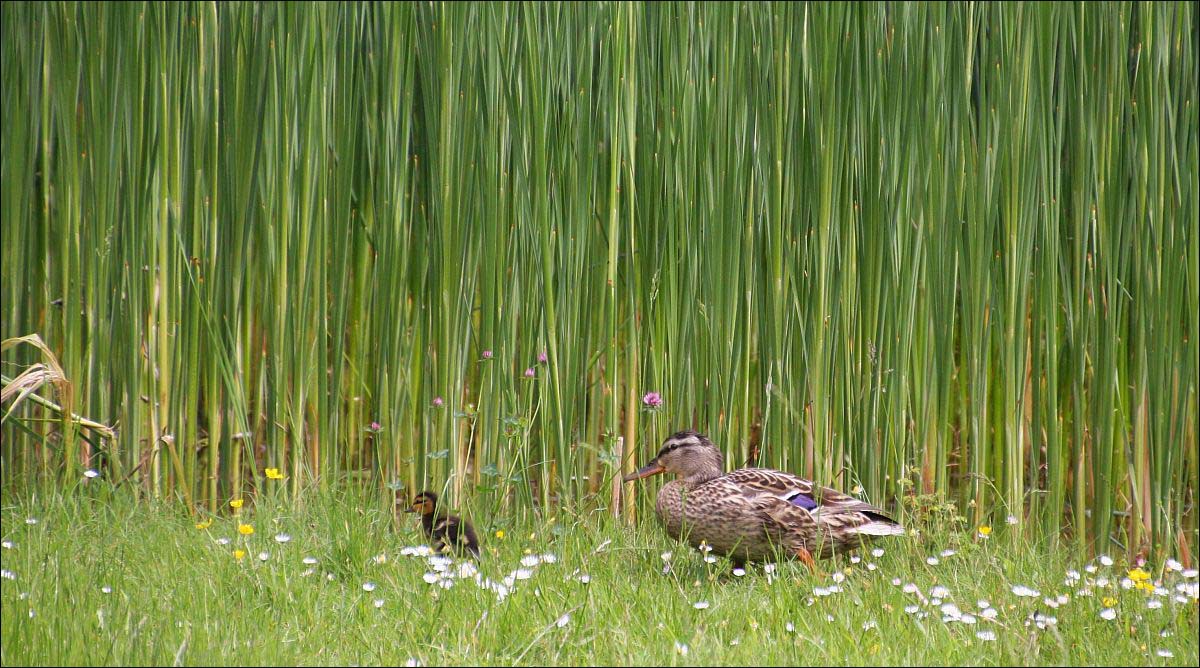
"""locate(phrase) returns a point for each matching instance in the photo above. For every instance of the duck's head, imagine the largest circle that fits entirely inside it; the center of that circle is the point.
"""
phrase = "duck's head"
(425, 503)
(687, 454)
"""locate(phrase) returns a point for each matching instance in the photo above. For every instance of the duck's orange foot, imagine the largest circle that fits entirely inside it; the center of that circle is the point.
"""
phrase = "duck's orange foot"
(807, 559)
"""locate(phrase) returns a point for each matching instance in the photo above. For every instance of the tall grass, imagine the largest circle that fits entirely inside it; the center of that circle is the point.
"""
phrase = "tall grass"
(946, 250)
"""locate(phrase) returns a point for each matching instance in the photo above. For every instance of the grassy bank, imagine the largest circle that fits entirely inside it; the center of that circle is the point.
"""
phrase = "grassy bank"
(100, 579)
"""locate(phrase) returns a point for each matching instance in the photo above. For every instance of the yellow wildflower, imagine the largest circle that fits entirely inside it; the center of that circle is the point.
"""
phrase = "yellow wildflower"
(500, 534)
(245, 529)
(985, 531)
(274, 474)
(1109, 601)
(235, 504)
(205, 524)
(1138, 575)
(239, 554)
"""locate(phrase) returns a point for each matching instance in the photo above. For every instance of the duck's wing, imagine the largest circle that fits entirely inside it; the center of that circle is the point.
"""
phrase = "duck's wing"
(826, 505)
(457, 534)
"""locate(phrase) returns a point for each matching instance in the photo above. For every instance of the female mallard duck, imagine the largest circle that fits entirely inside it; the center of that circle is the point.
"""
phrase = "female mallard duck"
(749, 514)
(444, 531)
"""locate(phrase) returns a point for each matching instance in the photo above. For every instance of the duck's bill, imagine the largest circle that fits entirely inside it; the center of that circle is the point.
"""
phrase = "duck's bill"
(653, 468)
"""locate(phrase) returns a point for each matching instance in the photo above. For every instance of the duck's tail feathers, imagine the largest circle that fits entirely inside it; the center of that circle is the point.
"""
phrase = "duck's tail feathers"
(877, 528)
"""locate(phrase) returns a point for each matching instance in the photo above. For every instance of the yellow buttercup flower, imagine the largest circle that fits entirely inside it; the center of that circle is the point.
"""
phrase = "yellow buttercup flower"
(245, 529)
(274, 474)
(500, 533)
(239, 554)
(236, 503)
(1109, 601)
(985, 531)
(205, 524)
(1138, 575)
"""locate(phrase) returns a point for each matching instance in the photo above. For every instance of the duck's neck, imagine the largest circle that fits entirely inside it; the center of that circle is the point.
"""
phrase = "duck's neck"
(427, 522)
(701, 476)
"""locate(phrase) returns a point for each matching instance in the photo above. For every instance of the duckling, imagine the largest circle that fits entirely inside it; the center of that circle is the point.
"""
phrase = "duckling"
(749, 513)
(444, 531)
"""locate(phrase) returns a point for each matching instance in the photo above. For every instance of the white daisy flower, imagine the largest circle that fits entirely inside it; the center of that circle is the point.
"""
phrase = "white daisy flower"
(932, 561)
(563, 621)
(31, 520)
(522, 574)
(986, 635)
(309, 561)
(1108, 613)
(911, 608)
(1106, 560)
(1173, 565)
(91, 473)
(666, 556)
(1022, 590)
(7, 574)
(939, 592)
(585, 578)
(222, 541)
(282, 537)
(368, 586)
(529, 561)
(1165, 653)
(106, 589)
(681, 648)
(739, 572)
(789, 627)
(990, 613)
(263, 556)
(379, 603)
(700, 605)
(877, 552)
(983, 603)
(412, 662)
(947, 553)
(430, 578)
(6, 544)
(1011, 519)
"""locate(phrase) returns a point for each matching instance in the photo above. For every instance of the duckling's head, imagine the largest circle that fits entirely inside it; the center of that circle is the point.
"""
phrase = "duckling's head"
(425, 503)
(687, 454)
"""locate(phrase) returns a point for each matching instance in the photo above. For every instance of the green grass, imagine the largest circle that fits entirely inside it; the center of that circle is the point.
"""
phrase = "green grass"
(178, 596)
(949, 248)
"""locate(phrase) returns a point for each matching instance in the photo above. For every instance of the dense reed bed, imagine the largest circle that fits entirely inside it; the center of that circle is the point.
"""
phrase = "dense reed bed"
(912, 250)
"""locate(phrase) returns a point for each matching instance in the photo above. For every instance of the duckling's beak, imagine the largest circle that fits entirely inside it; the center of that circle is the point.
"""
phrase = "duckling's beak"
(653, 468)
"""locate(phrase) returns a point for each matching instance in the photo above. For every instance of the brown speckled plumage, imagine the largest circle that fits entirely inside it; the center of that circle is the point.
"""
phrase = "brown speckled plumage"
(753, 514)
